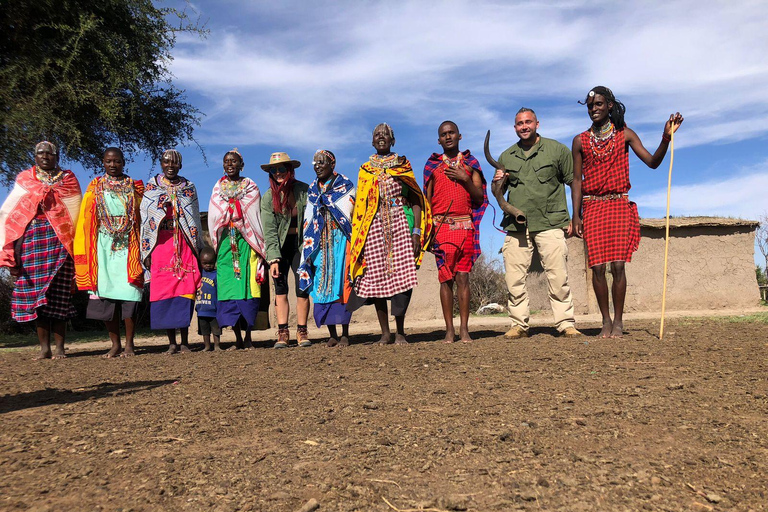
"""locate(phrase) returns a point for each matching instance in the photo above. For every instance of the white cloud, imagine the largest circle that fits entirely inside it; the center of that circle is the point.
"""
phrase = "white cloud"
(300, 73)
(742, 196)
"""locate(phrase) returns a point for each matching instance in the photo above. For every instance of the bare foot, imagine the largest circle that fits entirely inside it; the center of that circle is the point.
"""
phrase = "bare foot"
(344, 341)
(128, 352)
(233, 348)
(618, 330)
(605, 332)
(385, 340)
(184, 349)
(466, 338)
(43, 355)
(217, 348)
(207, 347)
(332, 342)
(59, 354)
(248, 345)
(114, 352)
(400, 340)
(172, 349)
(450, 336)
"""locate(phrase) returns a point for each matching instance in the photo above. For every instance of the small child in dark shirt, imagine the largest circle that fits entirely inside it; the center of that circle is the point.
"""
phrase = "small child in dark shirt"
(206, 301)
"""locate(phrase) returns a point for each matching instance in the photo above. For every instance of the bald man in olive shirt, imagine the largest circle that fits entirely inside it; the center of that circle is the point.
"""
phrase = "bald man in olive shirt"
(538, 170)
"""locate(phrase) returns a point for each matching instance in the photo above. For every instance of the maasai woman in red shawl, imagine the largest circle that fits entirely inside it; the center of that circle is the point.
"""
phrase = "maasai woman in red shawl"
(234, 224)
(171, 240)
(611, 227)
(37, 229)
(107, 255)
(385, 250)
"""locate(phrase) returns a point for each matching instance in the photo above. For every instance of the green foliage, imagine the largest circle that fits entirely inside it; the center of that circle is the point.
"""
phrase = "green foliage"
(760, 274)
(88, 75)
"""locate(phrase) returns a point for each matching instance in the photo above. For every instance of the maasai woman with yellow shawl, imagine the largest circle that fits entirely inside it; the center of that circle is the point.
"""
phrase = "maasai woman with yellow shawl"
(234, 224)
(37, 228)
(171, 240)
(386, 245)
(107, 255)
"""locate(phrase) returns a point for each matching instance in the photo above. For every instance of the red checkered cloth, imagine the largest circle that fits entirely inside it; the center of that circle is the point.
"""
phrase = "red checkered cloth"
(386, 274)
(611, 226)
(44, 287)
(456, 249)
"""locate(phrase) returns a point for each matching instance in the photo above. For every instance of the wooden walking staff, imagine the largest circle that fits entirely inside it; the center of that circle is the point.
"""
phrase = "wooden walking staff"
(666, 237)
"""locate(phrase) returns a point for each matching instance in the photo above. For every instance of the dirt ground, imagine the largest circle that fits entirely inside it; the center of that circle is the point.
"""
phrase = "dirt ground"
(540, 424)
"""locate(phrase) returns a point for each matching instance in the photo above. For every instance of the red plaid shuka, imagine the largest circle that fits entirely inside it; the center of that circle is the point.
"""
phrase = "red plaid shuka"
(436, 164)
(47, 274)
(611, 226)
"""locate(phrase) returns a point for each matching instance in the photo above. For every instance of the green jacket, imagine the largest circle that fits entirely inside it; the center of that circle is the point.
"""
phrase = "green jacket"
(276, 225)
(536, 184)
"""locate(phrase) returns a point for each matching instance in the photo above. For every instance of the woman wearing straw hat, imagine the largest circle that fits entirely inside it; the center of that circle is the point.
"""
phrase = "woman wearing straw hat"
(282, 210)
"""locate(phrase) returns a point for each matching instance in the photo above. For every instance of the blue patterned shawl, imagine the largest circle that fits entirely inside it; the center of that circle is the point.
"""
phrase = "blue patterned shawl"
(339, 200)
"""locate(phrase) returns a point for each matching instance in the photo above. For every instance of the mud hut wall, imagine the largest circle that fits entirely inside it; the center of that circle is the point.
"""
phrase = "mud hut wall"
(710, 267)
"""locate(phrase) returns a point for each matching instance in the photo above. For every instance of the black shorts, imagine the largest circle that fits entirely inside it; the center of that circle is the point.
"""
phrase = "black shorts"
(104, 309)
(290, 257)
(207, 325)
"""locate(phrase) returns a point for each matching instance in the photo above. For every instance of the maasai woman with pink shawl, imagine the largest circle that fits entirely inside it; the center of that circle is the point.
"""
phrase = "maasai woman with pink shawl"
(171, 240)
(327, 228)
(234, 224)
(37, 230)
(107, 255)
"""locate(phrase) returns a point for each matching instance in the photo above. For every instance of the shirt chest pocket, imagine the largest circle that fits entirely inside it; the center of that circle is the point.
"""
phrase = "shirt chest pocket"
(546, 173)
(513, 175)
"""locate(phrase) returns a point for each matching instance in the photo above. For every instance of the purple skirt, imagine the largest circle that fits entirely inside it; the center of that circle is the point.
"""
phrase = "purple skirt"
(332, 313)
(229, 312)
(174, 313)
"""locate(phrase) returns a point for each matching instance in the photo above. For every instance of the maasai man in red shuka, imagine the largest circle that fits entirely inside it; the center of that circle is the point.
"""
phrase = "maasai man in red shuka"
(455, 187)
(37, 230)
(611, 226)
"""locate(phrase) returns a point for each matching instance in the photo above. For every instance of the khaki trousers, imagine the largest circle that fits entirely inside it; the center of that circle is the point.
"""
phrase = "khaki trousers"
(518, 253)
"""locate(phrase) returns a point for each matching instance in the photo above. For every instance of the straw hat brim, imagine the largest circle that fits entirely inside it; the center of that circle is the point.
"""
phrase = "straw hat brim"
(294, 163)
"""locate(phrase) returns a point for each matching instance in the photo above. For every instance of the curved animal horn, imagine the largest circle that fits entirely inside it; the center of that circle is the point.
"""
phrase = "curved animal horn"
(488, 156)
(497, 188)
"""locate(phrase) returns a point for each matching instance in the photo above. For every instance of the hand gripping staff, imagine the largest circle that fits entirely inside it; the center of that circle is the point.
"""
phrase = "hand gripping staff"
(666, 236)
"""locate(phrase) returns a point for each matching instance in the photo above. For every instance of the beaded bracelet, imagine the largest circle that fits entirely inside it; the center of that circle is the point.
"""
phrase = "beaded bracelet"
(665, 137)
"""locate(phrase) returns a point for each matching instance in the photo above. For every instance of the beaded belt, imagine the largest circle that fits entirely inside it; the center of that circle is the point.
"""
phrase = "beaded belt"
(454, 221)
(606, 197)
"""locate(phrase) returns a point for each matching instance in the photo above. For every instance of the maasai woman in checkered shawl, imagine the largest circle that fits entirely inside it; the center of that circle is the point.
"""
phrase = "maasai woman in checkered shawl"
(386, 247)
(611, 226)
(37, 230)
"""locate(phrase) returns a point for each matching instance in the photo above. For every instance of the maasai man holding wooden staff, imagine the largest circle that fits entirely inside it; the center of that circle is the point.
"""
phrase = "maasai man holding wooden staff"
(534, 172)
(611, 225)
(37, 231)
(455, 187)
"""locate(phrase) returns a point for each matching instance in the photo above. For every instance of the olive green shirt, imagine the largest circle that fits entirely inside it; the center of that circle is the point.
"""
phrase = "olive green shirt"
(276, 225)
(536, 184)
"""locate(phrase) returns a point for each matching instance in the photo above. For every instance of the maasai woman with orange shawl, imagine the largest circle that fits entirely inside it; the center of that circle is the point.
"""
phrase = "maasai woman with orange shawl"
(385, 248)
(37, 230)
(107, 255)
(234, 224)
(171, 240)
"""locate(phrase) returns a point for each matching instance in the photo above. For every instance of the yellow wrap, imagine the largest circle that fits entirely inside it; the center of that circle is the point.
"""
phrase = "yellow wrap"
(367, 204)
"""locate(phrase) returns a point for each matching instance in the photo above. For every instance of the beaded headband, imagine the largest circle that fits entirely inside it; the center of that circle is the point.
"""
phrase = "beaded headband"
(389, 129)
(173, 156)
(46, 145)
(234, 151)
(330, 156)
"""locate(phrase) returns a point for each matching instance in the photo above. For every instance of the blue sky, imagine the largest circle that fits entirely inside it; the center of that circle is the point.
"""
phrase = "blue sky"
(297, 76)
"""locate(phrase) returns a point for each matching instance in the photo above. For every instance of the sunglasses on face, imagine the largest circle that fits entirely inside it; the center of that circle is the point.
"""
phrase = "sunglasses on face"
(279, 170)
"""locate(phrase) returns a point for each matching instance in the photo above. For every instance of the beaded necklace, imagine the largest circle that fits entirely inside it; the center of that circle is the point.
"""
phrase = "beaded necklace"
(173, 189)
(118, 227)
(47, 178)
(382, 163)
(603, 143)
(453, 163)
(232, 191)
